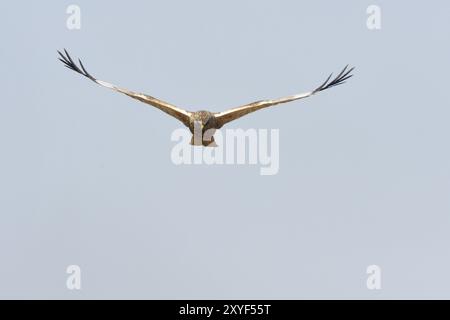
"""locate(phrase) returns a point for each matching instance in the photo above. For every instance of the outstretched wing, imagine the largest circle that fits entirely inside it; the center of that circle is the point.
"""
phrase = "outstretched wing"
(178, 113)
(233, 114)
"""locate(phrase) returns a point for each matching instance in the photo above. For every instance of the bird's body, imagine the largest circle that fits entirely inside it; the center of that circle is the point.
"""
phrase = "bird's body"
(203, 124)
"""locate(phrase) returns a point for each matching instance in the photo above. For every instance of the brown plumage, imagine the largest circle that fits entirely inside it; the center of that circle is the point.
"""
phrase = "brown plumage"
(202, 124)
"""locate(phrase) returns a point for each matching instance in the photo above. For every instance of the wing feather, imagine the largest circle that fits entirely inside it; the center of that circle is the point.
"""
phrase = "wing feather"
(178, 113)
(233, 114)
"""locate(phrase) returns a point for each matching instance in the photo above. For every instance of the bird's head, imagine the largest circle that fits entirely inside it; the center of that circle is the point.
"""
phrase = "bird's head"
(202, 121)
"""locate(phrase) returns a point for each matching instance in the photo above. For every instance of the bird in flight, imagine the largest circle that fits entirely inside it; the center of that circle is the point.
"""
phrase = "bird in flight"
(203, 124)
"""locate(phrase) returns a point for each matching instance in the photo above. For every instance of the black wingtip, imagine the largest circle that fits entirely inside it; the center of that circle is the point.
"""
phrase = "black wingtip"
(338, 80)
(68, 62)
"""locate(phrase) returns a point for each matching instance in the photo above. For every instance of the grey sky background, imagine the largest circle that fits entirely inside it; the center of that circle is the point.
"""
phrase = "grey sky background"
(87, 179)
